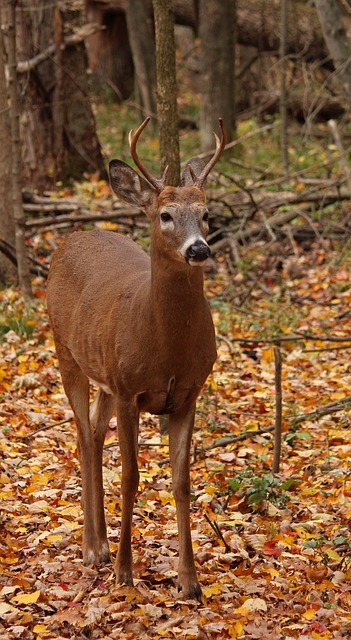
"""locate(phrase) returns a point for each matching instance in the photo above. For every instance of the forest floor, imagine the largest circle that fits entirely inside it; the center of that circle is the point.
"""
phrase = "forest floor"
(272, 550)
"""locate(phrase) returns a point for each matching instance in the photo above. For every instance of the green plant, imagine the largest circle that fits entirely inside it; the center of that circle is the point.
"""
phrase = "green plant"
(260, 488)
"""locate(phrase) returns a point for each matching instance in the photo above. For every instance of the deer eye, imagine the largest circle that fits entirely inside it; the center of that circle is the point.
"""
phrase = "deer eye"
(166, 217)
(205, 217)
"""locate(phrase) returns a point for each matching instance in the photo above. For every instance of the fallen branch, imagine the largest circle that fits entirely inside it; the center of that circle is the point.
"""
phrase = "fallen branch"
(223, 442)
(46, 427)
(36, 268)
(328, 409)
(84, 217)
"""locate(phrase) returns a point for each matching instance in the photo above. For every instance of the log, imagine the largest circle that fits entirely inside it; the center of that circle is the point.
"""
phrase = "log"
(257, 22)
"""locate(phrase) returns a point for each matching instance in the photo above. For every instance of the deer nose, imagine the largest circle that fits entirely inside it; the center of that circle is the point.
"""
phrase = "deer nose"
(198, 251)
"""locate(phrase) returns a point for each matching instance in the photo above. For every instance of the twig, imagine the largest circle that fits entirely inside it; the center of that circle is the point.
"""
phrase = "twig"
(215, 527)
(46, 427)
(278, 410)
(332, 407)
(223, 442)
(227, 342)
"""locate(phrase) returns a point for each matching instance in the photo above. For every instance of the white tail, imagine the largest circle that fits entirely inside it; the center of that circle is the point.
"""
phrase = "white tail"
(141, 330)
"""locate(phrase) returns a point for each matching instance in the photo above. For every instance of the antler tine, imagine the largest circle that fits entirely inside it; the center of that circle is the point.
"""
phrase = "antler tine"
(220, 144)
(159, 184)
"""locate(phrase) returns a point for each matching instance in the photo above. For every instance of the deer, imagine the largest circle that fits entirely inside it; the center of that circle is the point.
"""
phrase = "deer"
(140, 329)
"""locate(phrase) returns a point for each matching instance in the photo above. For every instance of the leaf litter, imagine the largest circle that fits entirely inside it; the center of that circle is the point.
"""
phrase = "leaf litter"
(273, 556)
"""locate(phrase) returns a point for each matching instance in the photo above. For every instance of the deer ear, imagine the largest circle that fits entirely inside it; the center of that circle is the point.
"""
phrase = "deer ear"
(197, 164)
(128, 185)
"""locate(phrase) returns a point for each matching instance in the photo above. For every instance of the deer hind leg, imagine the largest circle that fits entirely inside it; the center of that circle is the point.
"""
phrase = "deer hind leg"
(180, 432)
(128, 428)
(76, 386)
(101, 411)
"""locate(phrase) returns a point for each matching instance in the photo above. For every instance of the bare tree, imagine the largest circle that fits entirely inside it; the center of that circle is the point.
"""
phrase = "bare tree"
(57, 124)
(337, 41)
(283, 101)
(167, 88)
(7, 225)
(217, 80)
(142, 42)
(21, 254)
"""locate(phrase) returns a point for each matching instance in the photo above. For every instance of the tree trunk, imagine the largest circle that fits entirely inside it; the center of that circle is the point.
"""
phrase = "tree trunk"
(57, 124)
(167, 89)
(142, 42)
(110, 57)
(7, 225)
(18, 213)
(337, 41)
(283, 102)
(217, 59)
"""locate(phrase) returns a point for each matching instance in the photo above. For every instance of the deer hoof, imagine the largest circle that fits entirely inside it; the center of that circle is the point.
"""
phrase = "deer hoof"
(124, 576)
(104, 554)
(97, 556)
(191, 592)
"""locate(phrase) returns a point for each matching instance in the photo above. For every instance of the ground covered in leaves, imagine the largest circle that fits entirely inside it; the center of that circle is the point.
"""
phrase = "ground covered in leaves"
(272, 551)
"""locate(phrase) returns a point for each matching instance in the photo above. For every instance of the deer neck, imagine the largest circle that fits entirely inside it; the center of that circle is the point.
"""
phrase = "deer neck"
(176, 290)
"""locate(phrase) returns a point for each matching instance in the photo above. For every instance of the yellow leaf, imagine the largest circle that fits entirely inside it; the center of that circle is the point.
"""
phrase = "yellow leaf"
(213, 590)
(272, 572)
(39, 628)
(267, 355)
(252, 604)
(235, 631)
(4, 479)
(320, 636)
(27, 598)
(54, 538)
(23, 358)
(2, 375)
(166, 497)
(309, 614)
(333, 555)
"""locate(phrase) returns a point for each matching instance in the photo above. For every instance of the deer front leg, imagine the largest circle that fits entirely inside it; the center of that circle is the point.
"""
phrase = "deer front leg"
(180, 432)
(128, 427)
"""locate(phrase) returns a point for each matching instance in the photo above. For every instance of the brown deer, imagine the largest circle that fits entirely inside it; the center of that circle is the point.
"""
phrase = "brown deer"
(141, 330)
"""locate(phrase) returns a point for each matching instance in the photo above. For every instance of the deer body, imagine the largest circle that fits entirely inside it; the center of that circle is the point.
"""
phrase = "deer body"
(140, 329)
(176, 359)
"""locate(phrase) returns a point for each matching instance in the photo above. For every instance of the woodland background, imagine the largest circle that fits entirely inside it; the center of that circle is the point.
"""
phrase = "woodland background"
(271, 528)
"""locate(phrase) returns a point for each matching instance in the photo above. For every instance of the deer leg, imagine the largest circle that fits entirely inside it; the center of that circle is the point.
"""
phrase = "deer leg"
(101, 411)
(76, 386)
(180, 432)
(128, 427)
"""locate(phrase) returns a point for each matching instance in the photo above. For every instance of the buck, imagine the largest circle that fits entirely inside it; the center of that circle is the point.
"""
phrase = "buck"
(140, 329)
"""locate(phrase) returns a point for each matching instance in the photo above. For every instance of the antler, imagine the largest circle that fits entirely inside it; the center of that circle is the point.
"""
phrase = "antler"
(158, 183)
(220, 144)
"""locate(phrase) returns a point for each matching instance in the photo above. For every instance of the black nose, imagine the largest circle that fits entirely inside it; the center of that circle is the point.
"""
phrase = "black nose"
(198, 252)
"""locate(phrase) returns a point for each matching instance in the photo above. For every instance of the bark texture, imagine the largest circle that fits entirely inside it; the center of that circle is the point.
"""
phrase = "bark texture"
(18, 213)
(217, 61)
(58, 131)
(338, 43)
(142, 42)
(167, 89)
(7, 226)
